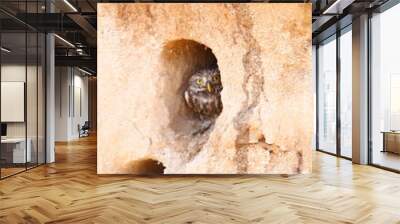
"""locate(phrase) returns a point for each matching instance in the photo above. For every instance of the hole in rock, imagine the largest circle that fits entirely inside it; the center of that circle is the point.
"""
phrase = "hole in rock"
(191, 86)
(147, 166)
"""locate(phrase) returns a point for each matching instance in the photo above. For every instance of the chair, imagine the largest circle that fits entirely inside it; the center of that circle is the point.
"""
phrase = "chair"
(84, 130)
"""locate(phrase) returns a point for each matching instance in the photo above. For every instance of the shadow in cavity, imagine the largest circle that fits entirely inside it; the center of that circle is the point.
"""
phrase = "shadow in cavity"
(147, 167)
(180, 59)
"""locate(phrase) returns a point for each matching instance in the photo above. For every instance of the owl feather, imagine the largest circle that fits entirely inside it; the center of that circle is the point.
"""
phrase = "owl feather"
(202, 95)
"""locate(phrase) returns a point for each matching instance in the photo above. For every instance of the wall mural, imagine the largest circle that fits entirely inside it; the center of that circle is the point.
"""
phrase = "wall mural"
(204, 88)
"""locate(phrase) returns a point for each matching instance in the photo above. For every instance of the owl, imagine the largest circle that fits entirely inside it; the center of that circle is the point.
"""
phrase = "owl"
(203, 93)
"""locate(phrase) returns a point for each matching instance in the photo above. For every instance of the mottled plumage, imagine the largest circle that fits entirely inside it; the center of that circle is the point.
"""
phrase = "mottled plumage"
(203, 93)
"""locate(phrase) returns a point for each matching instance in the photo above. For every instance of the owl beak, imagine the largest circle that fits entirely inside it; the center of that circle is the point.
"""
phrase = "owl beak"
(209, 88)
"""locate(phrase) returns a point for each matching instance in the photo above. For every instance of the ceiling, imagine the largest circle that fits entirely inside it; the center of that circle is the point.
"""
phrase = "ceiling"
(75, 23)
(72, 20)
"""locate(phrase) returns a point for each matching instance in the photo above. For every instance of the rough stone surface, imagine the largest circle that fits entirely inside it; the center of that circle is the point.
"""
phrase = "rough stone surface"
(146, 54)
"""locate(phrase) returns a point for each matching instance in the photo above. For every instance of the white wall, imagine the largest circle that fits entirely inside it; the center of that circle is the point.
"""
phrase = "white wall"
(81, 103)
(71, 102)
(16, 73)
(12, 73)
(62, 82)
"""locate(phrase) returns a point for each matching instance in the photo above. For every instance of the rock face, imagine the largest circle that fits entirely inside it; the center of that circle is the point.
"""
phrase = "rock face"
(146, 54)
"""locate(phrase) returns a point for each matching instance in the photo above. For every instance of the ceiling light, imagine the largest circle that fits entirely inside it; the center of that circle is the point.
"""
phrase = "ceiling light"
(337, 7)
(5, 50)
(71, 6)
(64, 40)
(84, 71)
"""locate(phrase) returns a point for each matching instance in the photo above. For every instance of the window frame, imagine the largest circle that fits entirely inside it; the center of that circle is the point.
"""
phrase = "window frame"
(334, 37)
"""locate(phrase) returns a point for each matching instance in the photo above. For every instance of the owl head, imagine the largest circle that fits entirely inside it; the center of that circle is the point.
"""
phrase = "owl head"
(206, 81)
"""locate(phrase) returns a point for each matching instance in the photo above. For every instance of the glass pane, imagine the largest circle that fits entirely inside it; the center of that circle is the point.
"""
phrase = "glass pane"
(346, 94)
(31, 100)
(41, 98)
(31, 86)
(23, 90)
(327, 96)
(386, 89)
(314, 74)
(13, 88)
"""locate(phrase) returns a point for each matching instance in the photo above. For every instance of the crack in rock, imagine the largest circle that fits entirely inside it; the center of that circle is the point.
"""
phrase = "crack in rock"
(253, 82)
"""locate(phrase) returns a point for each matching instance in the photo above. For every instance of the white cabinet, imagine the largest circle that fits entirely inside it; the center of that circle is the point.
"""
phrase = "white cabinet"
(19, 155)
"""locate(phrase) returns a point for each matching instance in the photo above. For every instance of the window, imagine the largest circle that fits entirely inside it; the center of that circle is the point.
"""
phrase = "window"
(346, 92)
(327, 96)
(394, 102)
(385, 89)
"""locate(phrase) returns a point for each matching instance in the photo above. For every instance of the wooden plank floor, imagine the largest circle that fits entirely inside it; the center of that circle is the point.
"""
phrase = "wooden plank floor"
(69, 191)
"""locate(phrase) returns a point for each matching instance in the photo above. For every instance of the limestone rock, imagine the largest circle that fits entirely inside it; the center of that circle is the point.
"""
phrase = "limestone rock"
(146, 54)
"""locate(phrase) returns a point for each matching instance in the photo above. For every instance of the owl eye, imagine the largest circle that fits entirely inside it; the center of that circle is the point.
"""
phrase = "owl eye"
(199, 82)
(215, 78)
